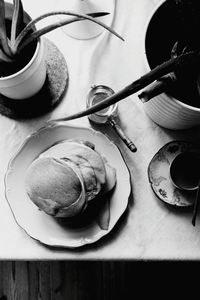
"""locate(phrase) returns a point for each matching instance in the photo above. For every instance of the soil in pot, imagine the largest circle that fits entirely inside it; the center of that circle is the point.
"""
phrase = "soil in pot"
(7, 69)
(162, 32)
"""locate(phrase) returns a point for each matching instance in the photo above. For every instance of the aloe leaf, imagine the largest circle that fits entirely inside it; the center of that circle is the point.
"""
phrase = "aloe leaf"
(171, 65)
(61, 23)
(3, 35)
(4, 57)
(36, 34)
(163, 84)
(30, 25)
(17, 20)
(33, 22)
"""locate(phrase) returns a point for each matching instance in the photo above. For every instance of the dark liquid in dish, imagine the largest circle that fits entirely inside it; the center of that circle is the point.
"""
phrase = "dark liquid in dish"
(185, 171)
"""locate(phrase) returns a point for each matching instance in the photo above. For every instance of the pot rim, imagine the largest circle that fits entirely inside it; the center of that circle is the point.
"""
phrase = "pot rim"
(28, 65)
(154, 10)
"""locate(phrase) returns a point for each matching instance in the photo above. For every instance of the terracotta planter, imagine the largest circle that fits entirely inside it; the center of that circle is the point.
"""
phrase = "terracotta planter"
(160, 35)
(27, 81)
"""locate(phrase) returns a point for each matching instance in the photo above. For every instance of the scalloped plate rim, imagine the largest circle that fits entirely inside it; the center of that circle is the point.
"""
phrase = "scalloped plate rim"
(80, 242)
(153, 158)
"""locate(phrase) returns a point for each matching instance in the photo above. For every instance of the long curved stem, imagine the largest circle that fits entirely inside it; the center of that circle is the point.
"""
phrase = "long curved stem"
(172, 65)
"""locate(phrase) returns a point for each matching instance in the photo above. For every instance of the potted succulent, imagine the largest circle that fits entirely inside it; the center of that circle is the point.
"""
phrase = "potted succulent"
(22, 66)
(174, 100)
(170, 88)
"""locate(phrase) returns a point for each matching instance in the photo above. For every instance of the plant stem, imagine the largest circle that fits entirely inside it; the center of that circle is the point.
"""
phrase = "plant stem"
(172, 65)
(163, 84)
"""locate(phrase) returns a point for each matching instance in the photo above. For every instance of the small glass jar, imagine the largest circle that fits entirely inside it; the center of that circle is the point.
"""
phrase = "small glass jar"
(96, 94)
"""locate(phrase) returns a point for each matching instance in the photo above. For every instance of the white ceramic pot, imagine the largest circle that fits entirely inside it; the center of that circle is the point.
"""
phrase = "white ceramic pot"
(29, 80)
(165, 110)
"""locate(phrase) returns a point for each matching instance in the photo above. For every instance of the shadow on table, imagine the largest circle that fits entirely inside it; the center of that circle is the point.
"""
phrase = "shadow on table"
(104, 241)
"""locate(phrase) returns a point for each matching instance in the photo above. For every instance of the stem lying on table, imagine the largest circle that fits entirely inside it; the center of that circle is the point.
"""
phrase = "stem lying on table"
(172, 65)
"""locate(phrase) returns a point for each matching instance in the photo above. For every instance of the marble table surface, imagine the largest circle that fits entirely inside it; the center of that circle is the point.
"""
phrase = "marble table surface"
(149, 229)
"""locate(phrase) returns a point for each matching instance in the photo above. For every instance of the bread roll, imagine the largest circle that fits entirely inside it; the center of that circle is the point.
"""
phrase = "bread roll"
(55, 187)
(66, 177)
(87, 159)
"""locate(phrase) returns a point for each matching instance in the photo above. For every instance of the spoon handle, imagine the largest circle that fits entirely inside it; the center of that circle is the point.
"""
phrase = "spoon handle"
(196, 204)
(122, 135)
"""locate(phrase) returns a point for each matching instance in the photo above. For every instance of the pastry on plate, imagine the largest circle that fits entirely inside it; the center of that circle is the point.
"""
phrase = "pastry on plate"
(63, 185)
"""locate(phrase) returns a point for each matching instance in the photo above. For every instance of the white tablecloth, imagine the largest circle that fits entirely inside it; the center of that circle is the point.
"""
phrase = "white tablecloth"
(149, 229)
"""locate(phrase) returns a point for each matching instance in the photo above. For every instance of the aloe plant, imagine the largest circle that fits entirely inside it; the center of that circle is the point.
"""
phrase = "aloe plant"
(188, 15)
(166, 77)
(176, 64)
(21, 35)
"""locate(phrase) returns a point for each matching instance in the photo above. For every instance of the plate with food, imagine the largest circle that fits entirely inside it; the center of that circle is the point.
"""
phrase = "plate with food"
(67, 186)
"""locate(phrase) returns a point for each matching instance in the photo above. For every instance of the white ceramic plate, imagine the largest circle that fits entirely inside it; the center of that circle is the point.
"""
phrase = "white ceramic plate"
(38, 224)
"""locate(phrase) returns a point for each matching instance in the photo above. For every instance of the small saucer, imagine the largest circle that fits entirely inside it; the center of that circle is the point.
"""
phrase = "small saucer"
(49, 96)
(159, 174)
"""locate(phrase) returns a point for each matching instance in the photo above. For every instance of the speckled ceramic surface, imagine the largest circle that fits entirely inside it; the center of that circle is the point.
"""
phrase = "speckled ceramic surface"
(159, 174)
